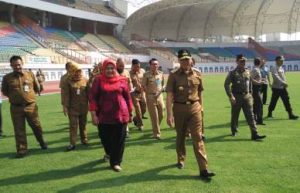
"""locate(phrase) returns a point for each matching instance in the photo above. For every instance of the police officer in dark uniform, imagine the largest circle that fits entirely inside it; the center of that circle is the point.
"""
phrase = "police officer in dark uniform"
(184, 93)
(20, 87)
(240, 97)
(257, 82)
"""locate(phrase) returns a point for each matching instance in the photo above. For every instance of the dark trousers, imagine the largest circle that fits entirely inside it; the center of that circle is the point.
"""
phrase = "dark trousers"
(113, 140)
(257, 103)
(284, 95)
(244, 102)
(264, 91)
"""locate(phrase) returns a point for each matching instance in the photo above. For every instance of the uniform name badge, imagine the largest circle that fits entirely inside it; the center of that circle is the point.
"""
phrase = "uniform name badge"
(26, 88)
(158, 82)
(78, 91)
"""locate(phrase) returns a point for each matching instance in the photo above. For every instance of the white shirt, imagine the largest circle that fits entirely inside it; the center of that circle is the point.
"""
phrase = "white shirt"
(279, 80)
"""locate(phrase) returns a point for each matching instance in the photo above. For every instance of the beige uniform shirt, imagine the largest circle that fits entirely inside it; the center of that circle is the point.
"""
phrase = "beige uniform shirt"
(136, 79)
(76, 96)
(153, 83)
(20, 88)
(185, 86)
(126, 74)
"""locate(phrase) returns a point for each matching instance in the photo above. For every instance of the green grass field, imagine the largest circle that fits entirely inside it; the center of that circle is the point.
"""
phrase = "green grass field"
(241, 165)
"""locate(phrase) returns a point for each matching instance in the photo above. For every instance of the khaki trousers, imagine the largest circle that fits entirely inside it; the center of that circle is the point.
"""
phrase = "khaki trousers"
(74, 122)
(18, 115)
(189, 116)
(139, 103)
(155, 108)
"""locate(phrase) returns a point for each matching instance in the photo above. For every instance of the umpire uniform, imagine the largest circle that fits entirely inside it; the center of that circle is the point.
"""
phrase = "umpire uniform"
(153, 84)
(20, 87)
(184, 89)
(240, 96)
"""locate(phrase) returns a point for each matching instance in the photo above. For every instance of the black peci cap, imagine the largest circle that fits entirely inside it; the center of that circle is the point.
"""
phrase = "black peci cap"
(184, 54)
(240, 57)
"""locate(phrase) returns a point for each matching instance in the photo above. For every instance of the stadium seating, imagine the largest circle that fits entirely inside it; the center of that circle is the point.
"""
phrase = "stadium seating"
(95, 41)
(91, 7)
(242, 50)
(14, 42)
(115, 43)
(217, 52)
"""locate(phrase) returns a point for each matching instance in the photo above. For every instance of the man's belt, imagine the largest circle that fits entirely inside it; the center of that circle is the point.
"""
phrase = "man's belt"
(186, 103)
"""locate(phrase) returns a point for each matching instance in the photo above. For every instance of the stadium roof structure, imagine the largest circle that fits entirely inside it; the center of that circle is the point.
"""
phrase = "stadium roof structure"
(180, 20)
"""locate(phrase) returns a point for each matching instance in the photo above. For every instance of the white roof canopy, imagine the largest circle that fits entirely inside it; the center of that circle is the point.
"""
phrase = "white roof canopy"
(205, 19)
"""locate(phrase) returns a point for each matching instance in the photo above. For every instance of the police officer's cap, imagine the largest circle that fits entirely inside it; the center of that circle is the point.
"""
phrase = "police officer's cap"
(279, 58)
(240, 57)
(184, 54)
(135, 61)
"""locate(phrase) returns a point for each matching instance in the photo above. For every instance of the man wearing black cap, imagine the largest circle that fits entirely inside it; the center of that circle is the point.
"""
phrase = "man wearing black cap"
(138, 95)
(279, 89)
(184, 92)
(240, 97)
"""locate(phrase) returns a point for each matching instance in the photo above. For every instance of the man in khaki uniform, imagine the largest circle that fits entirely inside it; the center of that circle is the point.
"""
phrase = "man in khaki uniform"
(62, 82)
(20, 87)
(153, 85)
(184, 90)
(123, 72)
(40, 76)
(76, 104)
(138, 95)
(240, 97)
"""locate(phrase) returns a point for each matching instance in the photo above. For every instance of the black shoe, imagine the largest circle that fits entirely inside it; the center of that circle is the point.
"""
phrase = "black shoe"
(256, 137)
(106, 158)
(143, 117)
(180, 165)
(234, 133)
(20, 155)
(293, 117)
(260, 123)
(134, 121)
(270, 115)
(44, 146)
(71, 147)
(205, 174)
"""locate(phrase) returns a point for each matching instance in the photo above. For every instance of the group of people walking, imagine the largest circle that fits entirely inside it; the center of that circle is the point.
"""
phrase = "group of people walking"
(246, 88)
(111, 93)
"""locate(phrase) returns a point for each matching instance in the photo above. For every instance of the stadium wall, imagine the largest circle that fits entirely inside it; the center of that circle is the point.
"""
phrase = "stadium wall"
(208, 68)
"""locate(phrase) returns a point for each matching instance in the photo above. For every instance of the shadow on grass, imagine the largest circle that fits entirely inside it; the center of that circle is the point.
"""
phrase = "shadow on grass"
(142, 177)
(86, 168)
